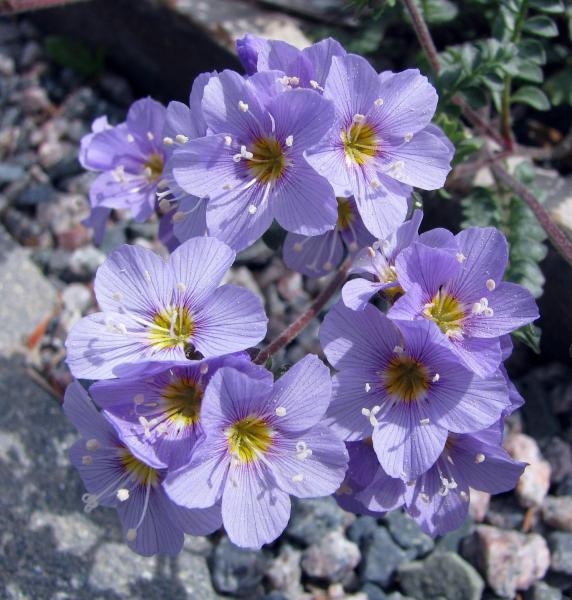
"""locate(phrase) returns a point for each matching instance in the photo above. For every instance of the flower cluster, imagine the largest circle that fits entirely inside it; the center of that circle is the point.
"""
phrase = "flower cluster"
(180, 430)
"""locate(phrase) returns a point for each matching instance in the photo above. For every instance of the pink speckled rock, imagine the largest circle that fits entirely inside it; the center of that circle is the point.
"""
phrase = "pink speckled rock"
(535, 481)
(509, 560)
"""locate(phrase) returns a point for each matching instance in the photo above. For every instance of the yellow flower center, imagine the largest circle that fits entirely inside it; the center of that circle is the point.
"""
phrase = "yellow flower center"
(345, 214)
(183, 399)
(154, 167)
(406, 378)
(171, 327)
(268, 161)
(361, 143)
(142, 473)
(447, 312)
(248, 438)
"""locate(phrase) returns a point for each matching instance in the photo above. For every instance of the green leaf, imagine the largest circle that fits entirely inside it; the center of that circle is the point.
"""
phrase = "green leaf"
(532, 96)
(541, 26)
(559, 87)
(74, 55)
(437, 12)
(532, 50)
(530, 71)
(529, 335)
(552, 7)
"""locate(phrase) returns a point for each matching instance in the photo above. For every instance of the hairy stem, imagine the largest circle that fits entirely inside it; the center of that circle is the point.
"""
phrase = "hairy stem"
(292, 331)
(558, 238)
(506, 124)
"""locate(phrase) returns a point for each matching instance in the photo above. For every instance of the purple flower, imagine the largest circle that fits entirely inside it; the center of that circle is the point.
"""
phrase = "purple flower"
(307, 68)
(263, 442)
(362, 467)
(464, 295)
(439, 499)
(115, 475)
(376, 265)
(164, 310)
(131, 158)
(319, 255)
(160, 403)
(405, 385)
(252, 166)
(381, 142)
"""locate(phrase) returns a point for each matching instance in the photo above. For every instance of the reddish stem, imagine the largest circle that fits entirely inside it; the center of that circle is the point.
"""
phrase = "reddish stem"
(292, 331)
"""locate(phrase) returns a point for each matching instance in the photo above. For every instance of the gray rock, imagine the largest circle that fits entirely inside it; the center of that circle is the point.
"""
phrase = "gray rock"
(442, 575)
(557, 512)
(237, 571)
(560, 544)
(27, 296)
(542, 591)
(559, 454)
(313, 518)
(35, 195)
(84, 262)
(373, 592)
(10, 173)
(451, 541)
(194, 576)
(408, 534)
(362, 530)
(381, 558)
(332, 559)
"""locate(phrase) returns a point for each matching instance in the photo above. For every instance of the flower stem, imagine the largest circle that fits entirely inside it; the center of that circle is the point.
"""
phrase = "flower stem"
(558, 238)
(293, 330)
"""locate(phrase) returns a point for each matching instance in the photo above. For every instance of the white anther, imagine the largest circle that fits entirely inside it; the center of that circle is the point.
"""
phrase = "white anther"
(328, 266)
(244, 153)
(464, 496)
(491, 285)
(204, 369)
(252, 209)
(424, 421)
(482, 307)
(289, 140)
(164, 205)
(294, 81)
(424, 497)
(162, 428)
(92, 444)
(367, 387)
(86, 460)
(181, 286)
(150, 136)
(138, 399)
(242, 106)
(358, 118)
(488, 312)
(449, 459)
(118, 174)
(182, 139)
(280, 411)
(146, 426)
(169, 141)
(371, 251)
(237, 158)
(397, 168)
(178, 217)
(298, 247)
(131, 535)
(122, 494)
(298, 478)
(479, 458)
(379, 102)
(460, 257)
(315, 85)
(371, 414)
(130, 138)
(436, 378)
(375, 184)
(147, 275)
(398, 349)
(227, 140)
(302, 450)
(226, 186)
(121, 328)
(117, 296)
